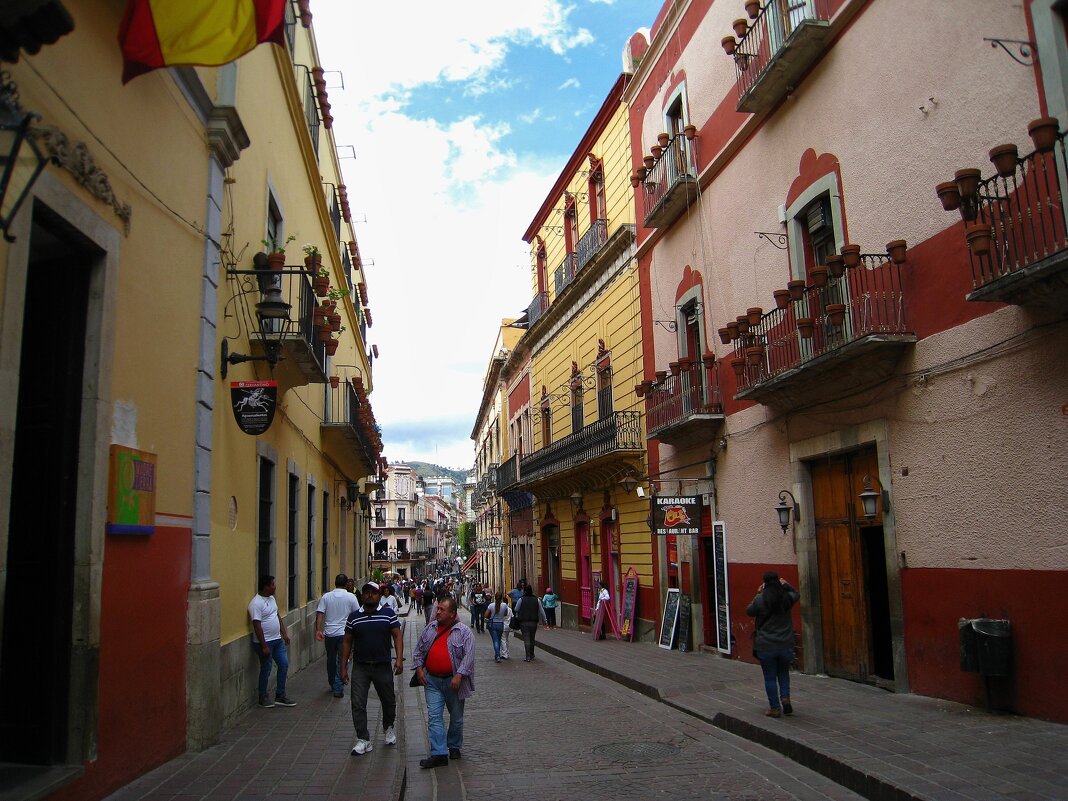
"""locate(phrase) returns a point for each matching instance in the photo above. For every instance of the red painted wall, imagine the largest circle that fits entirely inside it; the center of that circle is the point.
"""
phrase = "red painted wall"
(743, 581)
(142, 712)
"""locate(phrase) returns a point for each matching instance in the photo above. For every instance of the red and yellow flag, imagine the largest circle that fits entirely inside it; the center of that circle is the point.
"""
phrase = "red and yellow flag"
(174, 33)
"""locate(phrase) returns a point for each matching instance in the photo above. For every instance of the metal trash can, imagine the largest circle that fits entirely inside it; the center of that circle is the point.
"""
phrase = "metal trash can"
(969, 647)
(993, 639)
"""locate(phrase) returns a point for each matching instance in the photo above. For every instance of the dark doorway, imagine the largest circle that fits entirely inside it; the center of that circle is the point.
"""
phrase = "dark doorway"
(38, 598)
(874, 554)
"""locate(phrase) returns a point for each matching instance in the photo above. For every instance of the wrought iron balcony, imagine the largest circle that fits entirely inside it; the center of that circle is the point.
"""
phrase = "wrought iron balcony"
(836, 338)
(583, 451)
(304, 353)
(591, 242)
(537, 307)
(343, 434)
(508, 474)
(685, 407)
(783, 42)
(670, 185)
(1016, 226)
(565, 273)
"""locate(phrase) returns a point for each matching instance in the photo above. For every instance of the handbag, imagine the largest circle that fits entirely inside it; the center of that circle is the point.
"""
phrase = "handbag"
(415, 679)
(513, 623)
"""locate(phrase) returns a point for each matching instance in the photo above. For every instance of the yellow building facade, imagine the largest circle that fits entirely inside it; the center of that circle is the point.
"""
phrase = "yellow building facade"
(135, 515)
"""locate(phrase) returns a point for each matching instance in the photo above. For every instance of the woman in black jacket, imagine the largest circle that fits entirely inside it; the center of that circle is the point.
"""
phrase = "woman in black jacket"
(773, 643)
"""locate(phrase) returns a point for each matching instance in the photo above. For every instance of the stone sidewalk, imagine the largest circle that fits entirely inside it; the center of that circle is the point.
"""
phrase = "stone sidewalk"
(879, 744)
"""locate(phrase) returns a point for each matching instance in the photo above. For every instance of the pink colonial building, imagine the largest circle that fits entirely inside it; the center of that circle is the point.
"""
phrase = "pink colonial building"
(822, 328)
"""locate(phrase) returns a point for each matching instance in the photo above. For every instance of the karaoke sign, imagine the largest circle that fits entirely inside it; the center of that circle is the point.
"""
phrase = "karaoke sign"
(677, 515)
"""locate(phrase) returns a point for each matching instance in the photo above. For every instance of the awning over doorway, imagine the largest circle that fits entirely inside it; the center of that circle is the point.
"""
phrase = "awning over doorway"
(471, 562)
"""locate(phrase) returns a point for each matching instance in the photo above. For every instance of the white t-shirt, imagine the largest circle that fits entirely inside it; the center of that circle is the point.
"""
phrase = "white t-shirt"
(336, 607)
(390, 601)
(265, 610)
(601, 596)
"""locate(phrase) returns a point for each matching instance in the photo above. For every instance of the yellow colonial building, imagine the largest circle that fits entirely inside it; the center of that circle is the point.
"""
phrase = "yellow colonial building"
(576, 429)
(181, 413)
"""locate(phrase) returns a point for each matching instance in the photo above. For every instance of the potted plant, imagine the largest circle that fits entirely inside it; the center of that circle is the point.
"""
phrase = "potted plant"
(754, 313)
(324, 333)
(796, 288)
(276, 251)
(738, 365)
(896, 250)
(836, 314)
(754, 354)
(660, 376)
(321, 283)
(819, 275)
(805, 327)
(949, 195)
(1043, 132)
(690, 132)
(676, 367)
(648, 385)
(725, 336)
(335, 320)
(635, 181)
(729, 45)
(732, 328)
(639, 390)
(313, 259)
(851, 255)
(330, 345)
(743, 324)
(1005, 158)
(334, 381)
(782, 297)
(709, 360)
(978, 236)
(836, 265)
(657, 151)
(649, 161)
(663, 139)
(967, 182)
(752, 8)
(741, 27)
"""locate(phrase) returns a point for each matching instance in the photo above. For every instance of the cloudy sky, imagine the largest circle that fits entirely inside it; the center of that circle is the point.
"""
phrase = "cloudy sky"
(461, 115)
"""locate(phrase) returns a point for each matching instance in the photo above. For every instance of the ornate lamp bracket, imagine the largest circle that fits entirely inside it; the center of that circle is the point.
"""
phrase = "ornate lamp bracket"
(1028, 50)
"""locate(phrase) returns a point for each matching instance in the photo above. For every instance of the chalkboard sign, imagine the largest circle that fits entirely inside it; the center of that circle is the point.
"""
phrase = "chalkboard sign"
(669, 624)
(684, 623)
(630, 604)
(722, 599)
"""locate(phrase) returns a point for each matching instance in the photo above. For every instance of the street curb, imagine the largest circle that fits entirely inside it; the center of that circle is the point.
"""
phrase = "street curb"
(851, 778)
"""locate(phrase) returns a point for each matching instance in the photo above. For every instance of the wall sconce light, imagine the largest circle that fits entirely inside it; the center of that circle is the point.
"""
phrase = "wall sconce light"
(21, 160)
(576, 500)
(870, 499)
(787, 512)
(272, 317)
(629, 483)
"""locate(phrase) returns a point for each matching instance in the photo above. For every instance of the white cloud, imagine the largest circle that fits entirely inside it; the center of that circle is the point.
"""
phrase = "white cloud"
(446, 203)
(570, 83)
(531, 117)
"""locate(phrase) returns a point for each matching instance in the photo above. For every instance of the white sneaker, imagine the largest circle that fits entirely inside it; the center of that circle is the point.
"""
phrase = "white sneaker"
(391, 736)
(362, 746)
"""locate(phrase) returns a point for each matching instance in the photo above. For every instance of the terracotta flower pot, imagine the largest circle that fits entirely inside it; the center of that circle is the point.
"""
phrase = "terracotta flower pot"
(649, 161)
(725, 336)
(335, 321)
(331, 347)
(754, 355)
(648, 386)
(709, 360)
(754, 313)
(321, 286)
(276, 261)
(978, 236)
(657, 151)
(690, 131)
(752, 8)
(334, 381)
(819, 276)
(896, 250)
(1043, 132)
(639, 390)
(642, 172)
(949, 195)
(796, 288)
(313, 263)
(733, 329)
(660, 376)
(729, 45)
(851, 255)
(741, 27)
(635, 181)
(836, 314)
(738, 365)
(675, 367)
(324, 333)
(782, 298)
(1005, 158)
(967, 182)
(662, 139)
(743, 324)
(805, 327)
(835, 265)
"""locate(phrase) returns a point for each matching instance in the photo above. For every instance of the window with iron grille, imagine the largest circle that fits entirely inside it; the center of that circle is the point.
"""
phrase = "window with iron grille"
(546, 426)
(326, 537)
(292, 598)
(576, 410)
(311, 545)
(290, 24)
(311, 113)
(265, 527)
(604, 394)
(380, 517)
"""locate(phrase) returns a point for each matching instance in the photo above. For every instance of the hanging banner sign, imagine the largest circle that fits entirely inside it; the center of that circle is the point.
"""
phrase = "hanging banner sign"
(254, 403)
(677, 515)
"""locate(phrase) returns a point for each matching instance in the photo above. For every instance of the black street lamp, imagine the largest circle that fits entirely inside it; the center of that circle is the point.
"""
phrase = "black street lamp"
(21, 160)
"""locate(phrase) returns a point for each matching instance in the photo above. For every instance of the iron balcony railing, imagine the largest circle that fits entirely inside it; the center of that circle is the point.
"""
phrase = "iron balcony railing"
(537, 307)
(565, 274)
(508, 474)
(675, 165)
(771, 31)
(864, 300)
(621, 431)
(695, 390)
(1023, 211)
(344, 409)
(591, 242)
(297, 291)
(311, 111)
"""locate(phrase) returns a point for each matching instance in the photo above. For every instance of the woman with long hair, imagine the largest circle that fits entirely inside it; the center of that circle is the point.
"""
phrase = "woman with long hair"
(773, 642)
(498, 614)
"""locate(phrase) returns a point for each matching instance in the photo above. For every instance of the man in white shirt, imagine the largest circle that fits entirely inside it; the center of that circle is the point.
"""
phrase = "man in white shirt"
(272, 639)
(330, 616)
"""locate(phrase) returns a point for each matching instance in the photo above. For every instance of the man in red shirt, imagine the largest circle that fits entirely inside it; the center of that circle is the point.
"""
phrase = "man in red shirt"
(444, 660)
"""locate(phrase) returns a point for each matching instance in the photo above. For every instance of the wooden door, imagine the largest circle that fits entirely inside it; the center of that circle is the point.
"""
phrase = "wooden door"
(843, 601)
(585, 567)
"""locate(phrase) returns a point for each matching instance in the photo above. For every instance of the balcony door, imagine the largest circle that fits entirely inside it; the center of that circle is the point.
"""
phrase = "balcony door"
(585, 570)
(854, 594)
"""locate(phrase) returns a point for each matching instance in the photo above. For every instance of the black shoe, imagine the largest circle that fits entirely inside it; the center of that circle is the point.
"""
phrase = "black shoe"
(434, 762)
(454, 753)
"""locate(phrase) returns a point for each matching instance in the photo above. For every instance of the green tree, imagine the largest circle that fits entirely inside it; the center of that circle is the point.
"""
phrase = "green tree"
(465, 536)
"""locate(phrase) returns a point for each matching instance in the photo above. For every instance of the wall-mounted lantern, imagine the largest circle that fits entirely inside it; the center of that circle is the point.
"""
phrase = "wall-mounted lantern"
(21, 160)
(870, 499)
(786, 512)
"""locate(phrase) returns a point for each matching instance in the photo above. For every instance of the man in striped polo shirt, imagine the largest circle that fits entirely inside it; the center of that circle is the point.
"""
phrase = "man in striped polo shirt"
(367, 635)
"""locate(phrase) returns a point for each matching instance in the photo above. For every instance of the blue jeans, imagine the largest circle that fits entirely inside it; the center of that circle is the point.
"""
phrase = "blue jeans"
(333, 659)
(439, 695)
(496, 631)
(281, 658)
(776, 667)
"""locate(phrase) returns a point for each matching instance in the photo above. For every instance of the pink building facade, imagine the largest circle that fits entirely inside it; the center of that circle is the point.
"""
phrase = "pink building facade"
(817, 325)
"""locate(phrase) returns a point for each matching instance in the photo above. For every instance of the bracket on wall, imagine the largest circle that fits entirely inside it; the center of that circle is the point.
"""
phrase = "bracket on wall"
(669, 325)
(780, 241)
(1028, 50)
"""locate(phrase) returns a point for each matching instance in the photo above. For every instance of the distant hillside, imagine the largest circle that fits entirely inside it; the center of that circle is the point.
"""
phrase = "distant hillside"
(426, 470)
